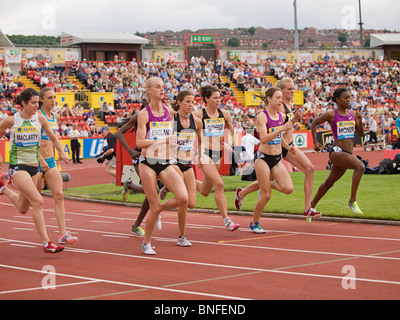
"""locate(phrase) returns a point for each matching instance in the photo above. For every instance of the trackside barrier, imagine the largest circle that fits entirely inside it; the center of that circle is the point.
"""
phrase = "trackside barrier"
(90, 148)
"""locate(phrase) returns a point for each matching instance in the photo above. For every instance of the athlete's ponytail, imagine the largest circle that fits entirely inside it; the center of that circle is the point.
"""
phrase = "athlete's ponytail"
(268, 94)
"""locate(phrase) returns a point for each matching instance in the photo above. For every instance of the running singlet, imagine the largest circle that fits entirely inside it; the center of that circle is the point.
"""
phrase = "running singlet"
(158, 127)
(289, 114)
(25, 140)
(343, 127)
(273, 125)
(213, 127)
(53, 125)
(185, 136)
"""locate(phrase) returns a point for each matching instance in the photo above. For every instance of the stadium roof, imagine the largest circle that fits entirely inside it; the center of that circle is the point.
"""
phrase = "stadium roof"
(385, 39)
(71, 38)
(4, 41)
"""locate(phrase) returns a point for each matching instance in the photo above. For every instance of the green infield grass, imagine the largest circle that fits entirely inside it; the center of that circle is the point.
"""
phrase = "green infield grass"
(378, 196)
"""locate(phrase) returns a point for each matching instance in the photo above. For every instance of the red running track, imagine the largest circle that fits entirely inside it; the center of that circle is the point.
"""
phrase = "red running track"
(294, 260)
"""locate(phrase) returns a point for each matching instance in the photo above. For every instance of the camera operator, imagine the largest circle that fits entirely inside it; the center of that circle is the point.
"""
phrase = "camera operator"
(109, 155)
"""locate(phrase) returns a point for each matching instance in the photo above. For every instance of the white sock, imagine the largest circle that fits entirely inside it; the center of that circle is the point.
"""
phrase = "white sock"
(227, 221)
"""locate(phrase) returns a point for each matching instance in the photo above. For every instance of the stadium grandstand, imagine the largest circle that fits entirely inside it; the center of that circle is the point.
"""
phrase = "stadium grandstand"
(98, 93)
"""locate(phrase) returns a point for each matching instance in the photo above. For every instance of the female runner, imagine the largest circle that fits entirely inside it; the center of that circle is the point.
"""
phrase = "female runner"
(187, 127)
(155, 138)
(271, 126)
(47, 165)
(344, 123)
(294, 156)
(25, 133)
(214, 120)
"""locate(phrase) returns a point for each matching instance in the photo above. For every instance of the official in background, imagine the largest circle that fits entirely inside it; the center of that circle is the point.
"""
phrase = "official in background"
(110, 154)
(74, 135)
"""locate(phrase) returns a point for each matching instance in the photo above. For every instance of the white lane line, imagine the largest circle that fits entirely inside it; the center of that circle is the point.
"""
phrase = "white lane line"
(242, 245)
(186, 262)
(128, 284)
(114, 236)
(109, 222)
(55, 287)
(21, 245)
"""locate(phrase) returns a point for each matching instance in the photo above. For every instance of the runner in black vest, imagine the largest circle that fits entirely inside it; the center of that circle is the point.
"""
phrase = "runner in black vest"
(214, 121)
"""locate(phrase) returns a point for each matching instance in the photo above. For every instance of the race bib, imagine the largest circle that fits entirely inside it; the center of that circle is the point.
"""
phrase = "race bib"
(214, 127)
(27, 136)
(278, 138)
(345, 129)
(159, 130)
(185, 140)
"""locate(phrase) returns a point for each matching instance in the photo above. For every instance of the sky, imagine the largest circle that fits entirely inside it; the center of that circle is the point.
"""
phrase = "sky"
(43, 17)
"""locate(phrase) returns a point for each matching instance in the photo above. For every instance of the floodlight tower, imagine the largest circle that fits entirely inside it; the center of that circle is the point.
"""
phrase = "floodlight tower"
(296, 29)
(361, 24)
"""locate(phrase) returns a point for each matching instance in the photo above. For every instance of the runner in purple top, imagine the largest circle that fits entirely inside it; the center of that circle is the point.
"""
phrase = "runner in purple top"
(155, 138)
(268, 166)
(344, 123)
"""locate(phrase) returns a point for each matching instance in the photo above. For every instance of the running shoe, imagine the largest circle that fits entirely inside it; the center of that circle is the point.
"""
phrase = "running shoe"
(183, 242)
(163, 193)
(4, 180)
(238, 200)
(354, 207)
(125, 191)
(50, 247)
(147, 249)
(312, 213)
(139, 231)
(256, 228)
(67, 238)
(158, 222)
(230, 225)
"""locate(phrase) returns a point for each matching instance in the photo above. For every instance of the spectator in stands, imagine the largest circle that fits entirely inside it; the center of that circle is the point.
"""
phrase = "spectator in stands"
(32, 64)
(44, 80)
(103, 111)
(83, 132)
(65, 110)
(88, 114)
(7, 70)
(57, 109)
(120, 118)
(3, 114)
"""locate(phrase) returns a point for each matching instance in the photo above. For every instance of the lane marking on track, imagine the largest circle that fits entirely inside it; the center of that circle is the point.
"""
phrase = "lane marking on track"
(55, 287)
(242, 268)
(23, 229)
(186, 292)
(21, 245)
(109, 222)
(74, 230)
(114, 236)
(222, 227)
(173, 285)
(259, 238)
